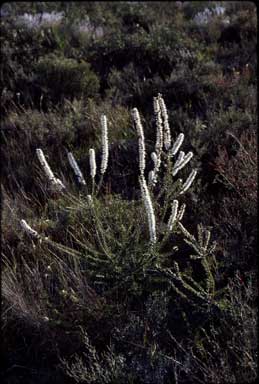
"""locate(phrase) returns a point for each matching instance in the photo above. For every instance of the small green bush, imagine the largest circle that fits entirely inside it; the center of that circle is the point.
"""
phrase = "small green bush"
(62, 77)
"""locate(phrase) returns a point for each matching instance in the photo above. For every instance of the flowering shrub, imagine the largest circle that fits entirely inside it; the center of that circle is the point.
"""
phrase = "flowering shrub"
(114, 252)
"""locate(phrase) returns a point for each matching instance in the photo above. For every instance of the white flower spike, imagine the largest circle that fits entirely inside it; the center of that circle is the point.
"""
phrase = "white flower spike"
(105, 146)
(149, 209)
(189, 181)
(167, 133)
(173, 215)
(29, 230)
(56, 184)
(141, 140)
(92, 162)
(76, 168)
(177, 144)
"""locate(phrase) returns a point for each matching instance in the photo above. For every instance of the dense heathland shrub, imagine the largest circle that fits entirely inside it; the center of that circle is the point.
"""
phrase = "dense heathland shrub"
(72, 79)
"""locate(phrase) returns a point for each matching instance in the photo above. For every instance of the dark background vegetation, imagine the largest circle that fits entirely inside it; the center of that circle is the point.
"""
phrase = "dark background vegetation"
(56, 81)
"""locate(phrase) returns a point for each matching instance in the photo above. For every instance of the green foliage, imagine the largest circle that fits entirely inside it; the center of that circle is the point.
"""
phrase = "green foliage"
(61, 78)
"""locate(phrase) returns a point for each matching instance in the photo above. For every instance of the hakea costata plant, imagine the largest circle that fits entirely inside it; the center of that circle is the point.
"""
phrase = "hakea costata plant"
(184, 284)
(164, 149)
(117, 244)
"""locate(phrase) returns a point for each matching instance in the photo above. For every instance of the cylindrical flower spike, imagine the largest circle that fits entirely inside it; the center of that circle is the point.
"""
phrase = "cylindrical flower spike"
(159, 126)
(149, 209)
(183, 163)
(157, 161)
(151, 178)
(142, 155)
(159, 135)
(154, 158)
(141, 140)
(173, 215)
(29, 230)
(76, 169)
(167, 133)
(179, 158)
(56, 184)
(92, 162)
(177, 144)
(137, 121)
(156, 105)
(105, 148)
(45, 165)
(207, 239)
(181, 212)
(189, 181)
